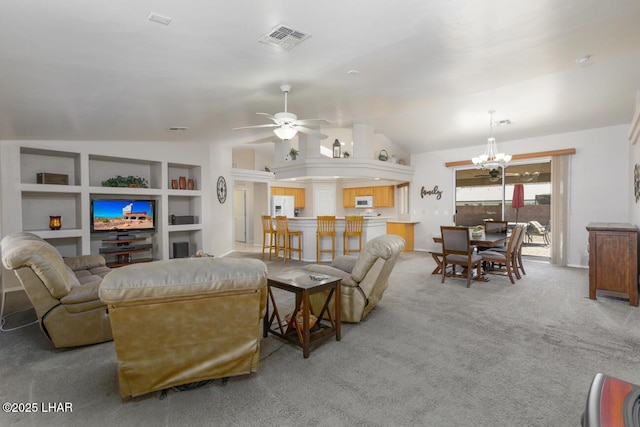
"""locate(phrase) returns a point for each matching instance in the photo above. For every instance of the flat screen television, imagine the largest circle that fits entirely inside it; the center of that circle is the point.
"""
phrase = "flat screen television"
(122, 215)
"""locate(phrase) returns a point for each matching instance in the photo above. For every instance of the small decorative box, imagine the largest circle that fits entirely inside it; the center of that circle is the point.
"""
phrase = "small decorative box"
(52, 178)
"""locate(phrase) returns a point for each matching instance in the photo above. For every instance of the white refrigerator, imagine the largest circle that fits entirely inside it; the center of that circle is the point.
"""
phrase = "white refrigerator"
(282, 205)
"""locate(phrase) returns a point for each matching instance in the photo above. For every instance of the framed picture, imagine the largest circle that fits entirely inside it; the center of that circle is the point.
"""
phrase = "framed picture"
(636, 182)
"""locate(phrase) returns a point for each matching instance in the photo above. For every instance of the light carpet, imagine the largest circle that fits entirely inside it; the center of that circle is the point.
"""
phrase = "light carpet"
(430, 354)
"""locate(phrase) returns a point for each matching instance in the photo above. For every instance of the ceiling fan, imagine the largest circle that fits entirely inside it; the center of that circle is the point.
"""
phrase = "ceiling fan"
(494, 175)
(286, 124)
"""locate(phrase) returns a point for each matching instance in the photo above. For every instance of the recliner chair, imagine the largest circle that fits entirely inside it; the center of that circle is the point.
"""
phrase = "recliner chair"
(363, 279)
(63, 291)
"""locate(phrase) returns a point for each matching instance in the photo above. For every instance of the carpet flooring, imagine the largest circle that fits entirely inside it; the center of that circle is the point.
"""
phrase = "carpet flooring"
(430, 354)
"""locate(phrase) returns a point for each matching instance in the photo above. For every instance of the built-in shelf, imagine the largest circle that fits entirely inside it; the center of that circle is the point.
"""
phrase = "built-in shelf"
(33, 203)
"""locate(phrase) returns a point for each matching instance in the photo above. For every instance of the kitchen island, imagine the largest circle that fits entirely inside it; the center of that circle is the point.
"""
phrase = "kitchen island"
(374, 226)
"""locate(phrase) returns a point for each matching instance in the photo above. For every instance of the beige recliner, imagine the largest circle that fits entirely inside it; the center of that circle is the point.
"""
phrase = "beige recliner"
(363, 279)
(63, 291)
(185, 320)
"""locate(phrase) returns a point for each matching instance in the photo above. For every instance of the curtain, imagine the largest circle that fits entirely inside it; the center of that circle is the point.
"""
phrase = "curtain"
(559, 208)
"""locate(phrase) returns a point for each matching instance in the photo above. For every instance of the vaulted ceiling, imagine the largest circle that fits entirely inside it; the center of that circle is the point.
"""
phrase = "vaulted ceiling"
(422, 73)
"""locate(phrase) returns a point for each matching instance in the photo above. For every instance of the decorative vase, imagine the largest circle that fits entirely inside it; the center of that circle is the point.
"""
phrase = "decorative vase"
(174, 184)
(191, 184)
(183, 183)
(55, 222)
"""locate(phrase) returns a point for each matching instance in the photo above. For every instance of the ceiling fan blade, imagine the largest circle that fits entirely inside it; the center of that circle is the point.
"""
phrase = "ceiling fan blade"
(312, 122)
(311, 132)
(266, 140)
(270, 125)
(269, 116)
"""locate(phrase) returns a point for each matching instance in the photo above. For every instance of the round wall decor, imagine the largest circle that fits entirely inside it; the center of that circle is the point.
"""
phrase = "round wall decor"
(222, 190)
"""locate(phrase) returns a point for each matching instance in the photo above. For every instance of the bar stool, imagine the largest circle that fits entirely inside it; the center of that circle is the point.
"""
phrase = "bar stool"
(282, 229)
(268, 228)
(326, 228)
(353, 227)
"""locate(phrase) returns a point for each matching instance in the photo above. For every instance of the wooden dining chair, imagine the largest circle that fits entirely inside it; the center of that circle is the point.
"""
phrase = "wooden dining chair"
(268, 230)
(518, 250)
(284, 239)
(353, 225)
(457, 250)
(495, 227)
(506, 261)
(326, 228)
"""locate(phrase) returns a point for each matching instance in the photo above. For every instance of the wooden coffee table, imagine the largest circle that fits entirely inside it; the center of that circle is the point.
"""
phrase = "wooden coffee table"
(303, 284)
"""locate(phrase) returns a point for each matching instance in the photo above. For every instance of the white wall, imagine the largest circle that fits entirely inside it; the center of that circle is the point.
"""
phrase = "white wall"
(599, 177)
(634, 207)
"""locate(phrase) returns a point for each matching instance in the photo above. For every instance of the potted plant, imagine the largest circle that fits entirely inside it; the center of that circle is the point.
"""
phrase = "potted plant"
(293, 153)
(126, 181)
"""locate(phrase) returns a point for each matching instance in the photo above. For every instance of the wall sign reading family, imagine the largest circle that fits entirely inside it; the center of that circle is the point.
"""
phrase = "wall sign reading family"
(435, 191)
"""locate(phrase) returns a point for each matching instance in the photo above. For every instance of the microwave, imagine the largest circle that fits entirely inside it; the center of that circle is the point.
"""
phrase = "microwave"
(364, 201)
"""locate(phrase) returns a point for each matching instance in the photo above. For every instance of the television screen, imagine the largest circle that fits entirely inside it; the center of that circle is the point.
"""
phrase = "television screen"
(122, 215)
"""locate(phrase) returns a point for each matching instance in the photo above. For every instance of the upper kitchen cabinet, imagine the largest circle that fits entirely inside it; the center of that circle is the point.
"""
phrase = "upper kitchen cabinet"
(349, 197)
(382, 196)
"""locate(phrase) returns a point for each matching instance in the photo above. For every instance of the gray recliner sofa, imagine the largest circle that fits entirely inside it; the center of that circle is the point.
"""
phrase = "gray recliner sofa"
(63, 291)
(363, 279)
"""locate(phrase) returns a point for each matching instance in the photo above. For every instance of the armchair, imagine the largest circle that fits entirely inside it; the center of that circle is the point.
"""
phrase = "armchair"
(186, 320)
(63, 291)
(363, 279)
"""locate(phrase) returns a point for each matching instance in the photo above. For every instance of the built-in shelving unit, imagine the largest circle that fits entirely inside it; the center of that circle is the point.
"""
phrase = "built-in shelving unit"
(34, 202)
(120, 252)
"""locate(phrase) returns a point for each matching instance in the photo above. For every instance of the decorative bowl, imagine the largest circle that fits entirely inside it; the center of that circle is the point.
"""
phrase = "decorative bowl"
(299, 320)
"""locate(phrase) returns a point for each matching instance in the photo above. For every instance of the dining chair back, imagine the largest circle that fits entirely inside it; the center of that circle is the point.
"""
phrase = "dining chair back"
(326, 228)
(495, 226)
(506, 261)
(457, 250)
(518, 250)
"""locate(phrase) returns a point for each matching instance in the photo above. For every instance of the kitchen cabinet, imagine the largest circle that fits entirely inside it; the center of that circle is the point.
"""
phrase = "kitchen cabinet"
(297, 193)
(403, 229)
(364, 191)
(613, 260)
(349, 197)
(382, 196)
(278, 191)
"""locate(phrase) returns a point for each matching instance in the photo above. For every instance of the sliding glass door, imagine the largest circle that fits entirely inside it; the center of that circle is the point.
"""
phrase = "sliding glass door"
(483, 195)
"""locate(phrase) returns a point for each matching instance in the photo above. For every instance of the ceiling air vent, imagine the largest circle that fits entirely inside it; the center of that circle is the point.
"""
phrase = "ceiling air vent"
(283, 37)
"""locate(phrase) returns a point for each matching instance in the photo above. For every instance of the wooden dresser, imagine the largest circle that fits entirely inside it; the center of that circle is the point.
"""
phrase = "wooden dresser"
(613, 260)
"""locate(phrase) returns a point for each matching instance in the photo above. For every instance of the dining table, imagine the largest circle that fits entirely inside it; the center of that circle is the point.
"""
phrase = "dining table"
(486, 240)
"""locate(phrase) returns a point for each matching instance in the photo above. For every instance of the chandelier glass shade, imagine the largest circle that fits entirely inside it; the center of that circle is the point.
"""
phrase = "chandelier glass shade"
(285, 133)
(491, 158)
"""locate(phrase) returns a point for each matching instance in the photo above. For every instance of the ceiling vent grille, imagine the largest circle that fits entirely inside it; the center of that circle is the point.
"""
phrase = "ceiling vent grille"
(283, 37)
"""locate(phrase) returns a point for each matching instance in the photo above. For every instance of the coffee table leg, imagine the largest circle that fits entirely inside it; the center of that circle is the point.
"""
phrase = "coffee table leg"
(306, 333)
(265, 320)
(338, 309)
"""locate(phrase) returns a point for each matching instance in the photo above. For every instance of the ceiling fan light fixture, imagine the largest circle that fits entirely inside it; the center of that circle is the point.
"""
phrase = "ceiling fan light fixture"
(491, 157)
(285, 133)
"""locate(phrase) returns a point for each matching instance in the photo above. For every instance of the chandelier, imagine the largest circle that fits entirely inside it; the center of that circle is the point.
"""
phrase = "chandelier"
(491, 159)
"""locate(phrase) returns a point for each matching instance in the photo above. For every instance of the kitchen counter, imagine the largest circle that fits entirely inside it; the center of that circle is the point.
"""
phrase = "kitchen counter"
(403, 229)
(374, 226)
